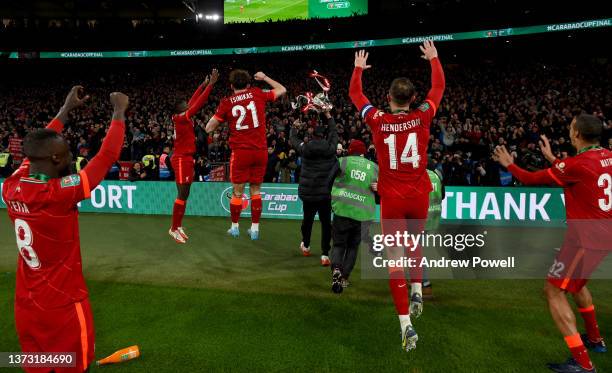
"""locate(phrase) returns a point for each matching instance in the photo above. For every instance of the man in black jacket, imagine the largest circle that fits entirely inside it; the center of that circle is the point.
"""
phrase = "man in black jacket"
(318, 161)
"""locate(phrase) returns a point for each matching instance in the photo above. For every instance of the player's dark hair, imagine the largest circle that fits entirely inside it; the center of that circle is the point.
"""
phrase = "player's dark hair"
(240, 79)
(402, 91)
(589, 126)
(178, 106)
(35, 144)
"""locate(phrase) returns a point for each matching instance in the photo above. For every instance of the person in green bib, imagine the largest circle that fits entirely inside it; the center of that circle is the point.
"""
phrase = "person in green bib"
(354, 207)
(80, 163)
(434, 214)
(6, 161)
(150, 165)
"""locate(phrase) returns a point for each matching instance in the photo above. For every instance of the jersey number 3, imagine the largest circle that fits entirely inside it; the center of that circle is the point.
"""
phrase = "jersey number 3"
(240, 112)
(410, 153)
(23, 233)
(605, 182)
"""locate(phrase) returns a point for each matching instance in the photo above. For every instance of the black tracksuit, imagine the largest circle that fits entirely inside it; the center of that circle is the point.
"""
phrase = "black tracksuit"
(348, 234)
(318, 162)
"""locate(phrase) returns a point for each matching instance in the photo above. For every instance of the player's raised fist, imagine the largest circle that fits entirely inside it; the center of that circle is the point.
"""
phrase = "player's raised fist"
(120, 101)
(214, 76)
(75, 98)
(361, 59)
(260, 76)
(429, 50)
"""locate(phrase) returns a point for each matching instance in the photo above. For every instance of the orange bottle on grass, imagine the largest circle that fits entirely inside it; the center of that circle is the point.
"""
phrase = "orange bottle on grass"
(120, 356)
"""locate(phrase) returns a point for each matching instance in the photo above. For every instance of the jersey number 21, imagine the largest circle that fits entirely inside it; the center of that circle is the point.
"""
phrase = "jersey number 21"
(240, 112)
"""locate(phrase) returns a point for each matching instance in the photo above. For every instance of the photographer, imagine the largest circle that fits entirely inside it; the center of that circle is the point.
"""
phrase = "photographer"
(318, 159)
(271, 175)
(138, 172)
(286, 167)
(455, 169)
(202, 168)
(150, 165)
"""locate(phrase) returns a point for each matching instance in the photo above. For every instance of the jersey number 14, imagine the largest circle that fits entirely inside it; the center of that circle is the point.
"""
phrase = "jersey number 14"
(410, 154)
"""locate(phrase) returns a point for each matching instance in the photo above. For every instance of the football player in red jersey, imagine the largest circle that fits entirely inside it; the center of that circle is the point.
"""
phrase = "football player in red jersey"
(587, 184)
(401, 139)
(52, 310)
(184, 149)
(245, 112)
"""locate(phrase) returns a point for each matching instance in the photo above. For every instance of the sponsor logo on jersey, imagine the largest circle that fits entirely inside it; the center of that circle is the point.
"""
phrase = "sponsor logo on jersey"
(424, 107)
(561, 166)
(70, 181)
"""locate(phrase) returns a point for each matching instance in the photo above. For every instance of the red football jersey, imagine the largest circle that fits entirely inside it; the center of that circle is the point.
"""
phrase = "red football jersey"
(245, 113)
(45, 216)
(401, 142)
(184, 134)
(587, 184)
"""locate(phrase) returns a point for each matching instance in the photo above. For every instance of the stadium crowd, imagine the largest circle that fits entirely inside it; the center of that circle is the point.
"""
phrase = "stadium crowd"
(485, 104)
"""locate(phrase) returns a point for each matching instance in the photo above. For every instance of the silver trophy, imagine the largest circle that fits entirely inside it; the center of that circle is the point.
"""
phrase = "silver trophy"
(311, 102)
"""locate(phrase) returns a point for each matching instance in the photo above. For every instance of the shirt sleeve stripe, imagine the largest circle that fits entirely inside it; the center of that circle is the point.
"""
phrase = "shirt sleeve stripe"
(365, 110)
(432, 105)
(85, 182)
(555, 178)
(217, 118)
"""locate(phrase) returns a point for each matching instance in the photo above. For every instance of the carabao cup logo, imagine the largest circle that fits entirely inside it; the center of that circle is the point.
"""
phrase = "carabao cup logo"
(226, 197)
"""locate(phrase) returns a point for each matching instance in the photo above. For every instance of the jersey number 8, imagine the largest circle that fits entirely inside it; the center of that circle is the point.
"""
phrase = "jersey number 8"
(23, 233)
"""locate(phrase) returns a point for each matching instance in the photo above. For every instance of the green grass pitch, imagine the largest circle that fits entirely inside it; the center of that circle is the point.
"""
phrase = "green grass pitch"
(263, 10)
(218, 304)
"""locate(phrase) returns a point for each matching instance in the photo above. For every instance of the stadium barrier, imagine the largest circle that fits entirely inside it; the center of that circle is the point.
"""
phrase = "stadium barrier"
(470, 35)
(480, 205)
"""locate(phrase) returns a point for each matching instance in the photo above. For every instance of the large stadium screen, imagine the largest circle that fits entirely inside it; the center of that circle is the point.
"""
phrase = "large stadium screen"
(278, 10)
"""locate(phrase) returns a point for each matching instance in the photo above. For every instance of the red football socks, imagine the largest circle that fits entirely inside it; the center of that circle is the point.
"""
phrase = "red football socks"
(177, 213)
(590, 322)
(256, 206)
(235, 209)
(399, 292)
(579, 352)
